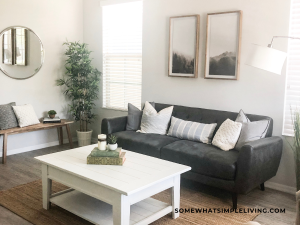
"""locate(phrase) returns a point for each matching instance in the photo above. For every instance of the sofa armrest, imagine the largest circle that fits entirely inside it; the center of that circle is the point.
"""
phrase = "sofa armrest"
(258, 161)
(112, 125)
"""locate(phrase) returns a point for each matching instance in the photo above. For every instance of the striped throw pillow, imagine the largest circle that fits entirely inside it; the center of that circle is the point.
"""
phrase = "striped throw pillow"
(192, 131)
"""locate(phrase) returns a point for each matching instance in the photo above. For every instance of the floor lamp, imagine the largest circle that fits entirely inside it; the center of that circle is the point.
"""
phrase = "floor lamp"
(268, 58)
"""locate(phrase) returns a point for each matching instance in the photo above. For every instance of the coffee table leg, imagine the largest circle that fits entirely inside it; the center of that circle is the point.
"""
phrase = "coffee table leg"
(47, 186)
(176, 197)
(121, 210)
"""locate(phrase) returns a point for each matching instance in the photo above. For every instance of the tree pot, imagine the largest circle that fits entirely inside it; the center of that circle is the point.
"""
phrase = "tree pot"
(52, 116)
(112, 146)
(297, 168)
(84, 138)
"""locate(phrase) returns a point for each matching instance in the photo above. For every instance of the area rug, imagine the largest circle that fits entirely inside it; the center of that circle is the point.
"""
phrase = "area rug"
(26, 201)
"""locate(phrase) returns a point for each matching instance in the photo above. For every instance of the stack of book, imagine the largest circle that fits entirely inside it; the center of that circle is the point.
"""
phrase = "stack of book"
(49, 120)
(107, 157)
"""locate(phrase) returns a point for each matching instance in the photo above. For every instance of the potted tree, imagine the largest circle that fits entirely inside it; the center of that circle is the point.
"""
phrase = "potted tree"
(81, 82)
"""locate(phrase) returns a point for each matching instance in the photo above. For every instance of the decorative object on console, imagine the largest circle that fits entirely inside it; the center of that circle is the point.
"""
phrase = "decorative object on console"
(227, 135)
(251, 131)
(223, 45)
(102, 142)
(22, 47)
(112, 142)
(26, 115)
(53, 120)
(155, 122)
(268, 58)
(135, 117)
(7, 116)
(82, 87)
(52, 113)
(192, 131)
(184, 46)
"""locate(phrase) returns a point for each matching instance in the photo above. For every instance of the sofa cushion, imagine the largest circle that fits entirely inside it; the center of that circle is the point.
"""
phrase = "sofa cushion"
(147, 144)
(204, 159)
(208, 116)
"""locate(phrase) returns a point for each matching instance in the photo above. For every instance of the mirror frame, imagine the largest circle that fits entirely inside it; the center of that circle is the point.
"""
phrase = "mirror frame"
(42, 55)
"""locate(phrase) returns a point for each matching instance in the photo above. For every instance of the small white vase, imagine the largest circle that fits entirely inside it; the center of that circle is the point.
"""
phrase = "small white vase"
(112, 146)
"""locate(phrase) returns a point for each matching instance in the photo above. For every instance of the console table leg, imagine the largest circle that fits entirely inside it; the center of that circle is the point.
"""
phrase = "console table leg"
(176, 197)
(47, 186)
(4, 150)
(121, 210)
(60, 135)
(69, 136)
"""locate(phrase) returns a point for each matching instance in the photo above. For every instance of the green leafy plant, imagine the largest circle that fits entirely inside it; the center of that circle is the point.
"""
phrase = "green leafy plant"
(112, 139)
(296, 145)
(81, 82)
(52, 112)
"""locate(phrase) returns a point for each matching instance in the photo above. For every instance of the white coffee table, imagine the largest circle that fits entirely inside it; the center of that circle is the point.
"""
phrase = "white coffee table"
(118, 195)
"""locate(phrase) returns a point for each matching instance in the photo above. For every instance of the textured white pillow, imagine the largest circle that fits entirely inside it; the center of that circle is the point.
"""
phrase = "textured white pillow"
(227, 135)
(25, 115)
(155, 122)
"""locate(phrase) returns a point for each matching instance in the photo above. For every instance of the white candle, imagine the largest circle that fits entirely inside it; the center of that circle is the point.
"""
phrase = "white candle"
(102, 142)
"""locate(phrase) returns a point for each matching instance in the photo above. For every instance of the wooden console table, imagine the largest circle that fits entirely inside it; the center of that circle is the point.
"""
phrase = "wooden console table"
(41, 126)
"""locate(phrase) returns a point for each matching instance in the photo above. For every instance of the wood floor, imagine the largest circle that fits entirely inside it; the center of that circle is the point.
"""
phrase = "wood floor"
(22, 168)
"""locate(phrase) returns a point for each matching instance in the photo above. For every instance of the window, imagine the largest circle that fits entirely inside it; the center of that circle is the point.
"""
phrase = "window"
(122, 55)
(292, 89)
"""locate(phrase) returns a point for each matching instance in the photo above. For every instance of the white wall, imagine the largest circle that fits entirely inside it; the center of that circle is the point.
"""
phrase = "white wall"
(54, 21)
(257, 91)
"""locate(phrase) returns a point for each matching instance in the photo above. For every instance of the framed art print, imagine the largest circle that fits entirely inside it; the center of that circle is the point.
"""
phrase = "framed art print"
(184, 46)
(223, 45)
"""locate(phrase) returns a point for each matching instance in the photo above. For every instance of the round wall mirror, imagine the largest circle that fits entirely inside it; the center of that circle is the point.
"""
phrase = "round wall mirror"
(22, 52)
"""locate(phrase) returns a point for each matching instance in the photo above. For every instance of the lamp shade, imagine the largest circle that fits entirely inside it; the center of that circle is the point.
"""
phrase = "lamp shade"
(266, 58)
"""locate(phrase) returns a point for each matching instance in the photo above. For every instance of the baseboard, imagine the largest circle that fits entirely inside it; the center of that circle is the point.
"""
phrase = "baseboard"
(35, 147)
(281, 187)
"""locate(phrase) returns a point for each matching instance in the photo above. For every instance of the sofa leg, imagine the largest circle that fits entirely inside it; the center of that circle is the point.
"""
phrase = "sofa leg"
(262, 186)
(234, 200)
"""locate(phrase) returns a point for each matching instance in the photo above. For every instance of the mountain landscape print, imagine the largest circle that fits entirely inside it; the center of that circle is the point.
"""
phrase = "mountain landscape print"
(183, 64)
(223, 45)
(184, 45)
(223, 64)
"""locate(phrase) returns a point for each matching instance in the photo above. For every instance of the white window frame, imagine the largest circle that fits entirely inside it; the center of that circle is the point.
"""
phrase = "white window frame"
(138, 104)
(292, 80)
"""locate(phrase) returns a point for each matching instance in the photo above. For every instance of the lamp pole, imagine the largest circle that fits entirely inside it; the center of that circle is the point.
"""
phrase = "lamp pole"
(270, 45)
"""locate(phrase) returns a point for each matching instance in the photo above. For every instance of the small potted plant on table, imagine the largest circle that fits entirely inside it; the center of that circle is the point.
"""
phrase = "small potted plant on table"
(52, 113)
(112, 142)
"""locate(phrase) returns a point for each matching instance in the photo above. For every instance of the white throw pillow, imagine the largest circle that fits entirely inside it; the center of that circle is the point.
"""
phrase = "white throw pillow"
(155, 122)
(25, 115)
(227, 135)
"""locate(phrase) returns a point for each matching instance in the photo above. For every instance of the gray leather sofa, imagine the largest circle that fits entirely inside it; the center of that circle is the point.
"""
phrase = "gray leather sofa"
(235, 171)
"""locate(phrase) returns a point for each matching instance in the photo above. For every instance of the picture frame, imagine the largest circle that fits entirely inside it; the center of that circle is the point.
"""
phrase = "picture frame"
(21, 46)
(184, 46)
(223, 45)
(8, 52)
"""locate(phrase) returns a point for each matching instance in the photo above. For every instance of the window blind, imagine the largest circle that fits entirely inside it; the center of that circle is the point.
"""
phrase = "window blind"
(122, 55)
(292, 89)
